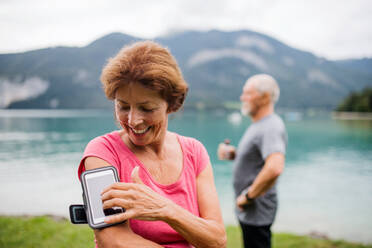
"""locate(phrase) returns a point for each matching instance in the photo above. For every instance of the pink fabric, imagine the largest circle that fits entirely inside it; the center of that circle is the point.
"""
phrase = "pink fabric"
(113, 150)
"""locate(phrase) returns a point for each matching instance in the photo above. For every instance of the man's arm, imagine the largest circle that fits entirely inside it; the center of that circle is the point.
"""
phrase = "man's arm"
(273, 167)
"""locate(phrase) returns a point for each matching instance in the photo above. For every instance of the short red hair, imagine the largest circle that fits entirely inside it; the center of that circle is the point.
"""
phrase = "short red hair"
(149, 64)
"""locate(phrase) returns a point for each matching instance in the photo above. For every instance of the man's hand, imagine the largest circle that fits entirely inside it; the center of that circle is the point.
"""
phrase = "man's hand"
(225, 151)
(242, 200)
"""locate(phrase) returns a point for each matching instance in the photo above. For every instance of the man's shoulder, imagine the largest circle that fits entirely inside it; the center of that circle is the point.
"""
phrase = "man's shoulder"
(271, 126)
(273, 121)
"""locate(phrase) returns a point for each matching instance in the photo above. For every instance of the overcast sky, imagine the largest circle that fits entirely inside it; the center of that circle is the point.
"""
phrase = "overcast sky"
(335, 29)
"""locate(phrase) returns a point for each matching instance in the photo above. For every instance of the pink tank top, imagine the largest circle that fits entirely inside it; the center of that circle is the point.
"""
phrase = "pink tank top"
(113, 150)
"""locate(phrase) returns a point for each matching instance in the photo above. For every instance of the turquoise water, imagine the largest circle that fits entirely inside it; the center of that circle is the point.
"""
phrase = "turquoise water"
(326, 186)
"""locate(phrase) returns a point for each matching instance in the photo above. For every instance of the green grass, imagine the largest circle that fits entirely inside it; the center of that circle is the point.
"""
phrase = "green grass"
(40, 232)
(44, 231)
(286, 240)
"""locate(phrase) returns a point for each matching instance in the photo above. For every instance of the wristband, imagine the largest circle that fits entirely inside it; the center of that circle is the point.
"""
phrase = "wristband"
(245, 192)
(248, 198)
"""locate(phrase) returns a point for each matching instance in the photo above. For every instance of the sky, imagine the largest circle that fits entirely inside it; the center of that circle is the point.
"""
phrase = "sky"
(334, 29)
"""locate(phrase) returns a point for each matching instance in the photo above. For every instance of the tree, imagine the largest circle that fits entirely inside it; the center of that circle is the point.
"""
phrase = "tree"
(357, 101)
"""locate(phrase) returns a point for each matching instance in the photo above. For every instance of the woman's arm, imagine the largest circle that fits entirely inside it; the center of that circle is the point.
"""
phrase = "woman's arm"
(143, 203)
(119, 235)
(207, 230)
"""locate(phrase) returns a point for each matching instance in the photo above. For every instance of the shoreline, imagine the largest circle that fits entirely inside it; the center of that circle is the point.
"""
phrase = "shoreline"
(351, 115)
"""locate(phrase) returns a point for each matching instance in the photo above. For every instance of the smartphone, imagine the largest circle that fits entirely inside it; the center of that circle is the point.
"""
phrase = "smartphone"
(93, 183)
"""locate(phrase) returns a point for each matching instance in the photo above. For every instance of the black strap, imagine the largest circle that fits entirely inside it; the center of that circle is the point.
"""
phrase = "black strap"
(77, 214)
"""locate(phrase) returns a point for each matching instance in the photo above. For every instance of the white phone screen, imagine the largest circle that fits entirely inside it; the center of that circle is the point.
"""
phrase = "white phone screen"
(95, 183)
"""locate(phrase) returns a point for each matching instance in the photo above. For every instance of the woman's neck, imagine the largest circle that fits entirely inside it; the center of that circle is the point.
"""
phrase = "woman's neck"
(156, 148)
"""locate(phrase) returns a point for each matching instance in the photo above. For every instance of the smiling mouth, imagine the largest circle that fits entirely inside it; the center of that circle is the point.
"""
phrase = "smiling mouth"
(139, 132)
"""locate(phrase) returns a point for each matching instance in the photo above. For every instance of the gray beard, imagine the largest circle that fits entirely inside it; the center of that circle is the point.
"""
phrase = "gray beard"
(245, 111)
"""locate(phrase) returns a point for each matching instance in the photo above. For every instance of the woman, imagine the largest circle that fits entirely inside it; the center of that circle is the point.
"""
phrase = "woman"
(166, 180)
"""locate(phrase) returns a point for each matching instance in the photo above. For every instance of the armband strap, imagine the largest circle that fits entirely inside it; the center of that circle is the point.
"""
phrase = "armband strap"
(77, 214)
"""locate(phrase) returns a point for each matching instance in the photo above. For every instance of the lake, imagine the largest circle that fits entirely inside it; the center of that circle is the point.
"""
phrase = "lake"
(326, 186)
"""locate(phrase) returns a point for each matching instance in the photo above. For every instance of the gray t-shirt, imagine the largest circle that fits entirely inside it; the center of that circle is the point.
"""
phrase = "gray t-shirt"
(261, 139)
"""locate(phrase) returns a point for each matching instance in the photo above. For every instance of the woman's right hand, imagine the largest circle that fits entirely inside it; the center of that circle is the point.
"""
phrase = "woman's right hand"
(139, 201)
(225, 151)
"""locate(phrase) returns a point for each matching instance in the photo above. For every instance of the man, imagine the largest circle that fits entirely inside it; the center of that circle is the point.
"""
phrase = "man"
(259, 160)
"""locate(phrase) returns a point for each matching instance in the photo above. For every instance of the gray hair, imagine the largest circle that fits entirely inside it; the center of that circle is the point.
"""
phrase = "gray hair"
(265, 83)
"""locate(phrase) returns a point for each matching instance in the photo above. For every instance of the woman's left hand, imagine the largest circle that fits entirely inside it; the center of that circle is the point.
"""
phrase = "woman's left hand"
(138, 200)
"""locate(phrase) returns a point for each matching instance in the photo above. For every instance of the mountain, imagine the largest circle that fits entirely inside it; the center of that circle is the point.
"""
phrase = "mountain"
(214, 63)
(59, 77)
(363, 65)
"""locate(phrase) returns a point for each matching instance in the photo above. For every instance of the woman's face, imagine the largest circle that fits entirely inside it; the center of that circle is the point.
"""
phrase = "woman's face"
(142, 113)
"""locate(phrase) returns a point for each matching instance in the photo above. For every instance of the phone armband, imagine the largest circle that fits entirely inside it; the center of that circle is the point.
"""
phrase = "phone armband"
(91, 192)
